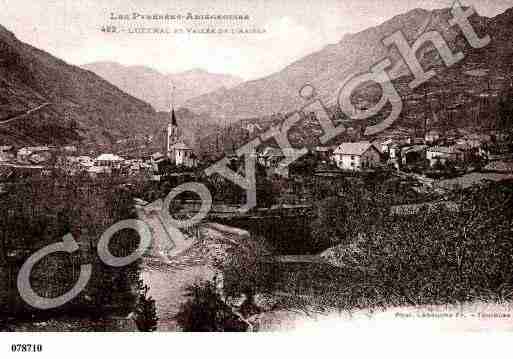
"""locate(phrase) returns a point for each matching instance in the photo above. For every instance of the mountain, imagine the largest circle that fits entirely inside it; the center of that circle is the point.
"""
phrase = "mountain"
(327, 69)
(156, 88)
(454, 95)
(62, 103)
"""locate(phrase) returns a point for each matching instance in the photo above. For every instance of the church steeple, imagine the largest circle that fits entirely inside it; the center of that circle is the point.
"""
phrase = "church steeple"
(173, 117)
(173, 135)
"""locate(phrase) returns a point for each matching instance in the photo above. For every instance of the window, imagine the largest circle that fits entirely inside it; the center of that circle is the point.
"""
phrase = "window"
(352, 158)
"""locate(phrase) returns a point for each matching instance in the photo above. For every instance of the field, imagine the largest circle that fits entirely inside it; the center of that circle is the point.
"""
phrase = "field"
(472, 179)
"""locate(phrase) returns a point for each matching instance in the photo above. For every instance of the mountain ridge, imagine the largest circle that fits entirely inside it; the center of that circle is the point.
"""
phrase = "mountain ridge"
(325, 69)
(155, 87)
(84, 107)
(454, 98)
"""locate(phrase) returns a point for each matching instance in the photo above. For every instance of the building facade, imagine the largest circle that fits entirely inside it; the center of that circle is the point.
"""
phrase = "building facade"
(443, 154)
(356, 156)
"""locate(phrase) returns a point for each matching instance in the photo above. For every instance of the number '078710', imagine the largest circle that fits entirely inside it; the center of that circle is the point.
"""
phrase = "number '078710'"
(26, 348)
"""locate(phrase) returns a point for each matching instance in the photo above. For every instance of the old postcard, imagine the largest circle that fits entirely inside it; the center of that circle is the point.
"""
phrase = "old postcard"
(334, 166)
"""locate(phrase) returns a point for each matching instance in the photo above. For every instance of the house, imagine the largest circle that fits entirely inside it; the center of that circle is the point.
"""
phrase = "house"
(108, 160)
(37, 155)
(270, 157)
(432, 136)
(473, 143)
(496, 152)
(356, 156)
(474, 140)
(85, 161)
(384, 145)
(69, 164)
(323, 153)
(69, 149)
(40, 157)
(444, 154)
(98, 171)
(133, 166)
(394, 153)
(7, 153)
(181, 155)
(468, 150)
(156, 157)
(413, 154)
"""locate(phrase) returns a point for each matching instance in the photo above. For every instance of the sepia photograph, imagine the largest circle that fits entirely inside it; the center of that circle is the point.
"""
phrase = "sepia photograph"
(300, 169)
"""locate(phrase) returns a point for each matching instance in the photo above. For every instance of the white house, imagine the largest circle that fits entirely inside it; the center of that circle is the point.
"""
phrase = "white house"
(108, 160)
(181, 155)
(38, 154)
(476, 141)
(443, 154)
(384, 145)
(356, 156)
(7, 153)
(85, 161)
(270, 157)
(69, 149)
(96, 171)
(432, 136)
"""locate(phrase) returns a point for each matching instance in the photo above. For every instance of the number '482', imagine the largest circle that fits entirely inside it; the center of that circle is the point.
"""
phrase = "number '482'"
(109, 29)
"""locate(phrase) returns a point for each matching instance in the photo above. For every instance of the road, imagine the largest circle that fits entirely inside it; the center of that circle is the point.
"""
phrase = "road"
(29, 112)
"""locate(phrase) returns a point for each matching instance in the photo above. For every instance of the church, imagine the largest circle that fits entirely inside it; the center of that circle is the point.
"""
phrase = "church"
(179, 153)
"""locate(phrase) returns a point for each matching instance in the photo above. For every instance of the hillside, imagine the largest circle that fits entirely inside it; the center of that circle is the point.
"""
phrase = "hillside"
(76, 104)
(327, 69)
(465, 94)
(156, 88)
(81, 105)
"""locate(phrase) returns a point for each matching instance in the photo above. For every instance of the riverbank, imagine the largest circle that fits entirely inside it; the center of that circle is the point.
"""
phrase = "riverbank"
(168, 279)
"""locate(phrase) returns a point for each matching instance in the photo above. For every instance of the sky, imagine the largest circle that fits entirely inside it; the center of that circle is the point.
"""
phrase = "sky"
(71, 30)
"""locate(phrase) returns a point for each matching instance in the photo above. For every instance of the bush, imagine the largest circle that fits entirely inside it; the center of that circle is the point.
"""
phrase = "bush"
(246, 268)
(40, 212)
(437, 257)
(146, 317)
(205, 311)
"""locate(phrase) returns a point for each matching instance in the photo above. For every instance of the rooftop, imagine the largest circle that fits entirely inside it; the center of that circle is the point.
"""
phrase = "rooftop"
(444, 149)
(109, 157)
(353, 148)
(414, 148)
(180, 146)
(272, 152)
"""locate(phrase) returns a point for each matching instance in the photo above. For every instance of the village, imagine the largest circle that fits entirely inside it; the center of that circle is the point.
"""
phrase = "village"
(436, 156)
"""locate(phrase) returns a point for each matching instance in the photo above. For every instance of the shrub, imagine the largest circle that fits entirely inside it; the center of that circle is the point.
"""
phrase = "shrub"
(205, 311)
(145, 317)
(246, 268)
(437, 257)
(39, 212)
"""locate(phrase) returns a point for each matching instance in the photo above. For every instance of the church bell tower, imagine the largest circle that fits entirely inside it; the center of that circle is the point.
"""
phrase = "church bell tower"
(172, 134)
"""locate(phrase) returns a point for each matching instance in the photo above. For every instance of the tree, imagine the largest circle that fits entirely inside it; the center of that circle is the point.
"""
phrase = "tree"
(245, 270)
(145, 317)
(340, 217)
(439, 255)
(205, 311)
(505, 109)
